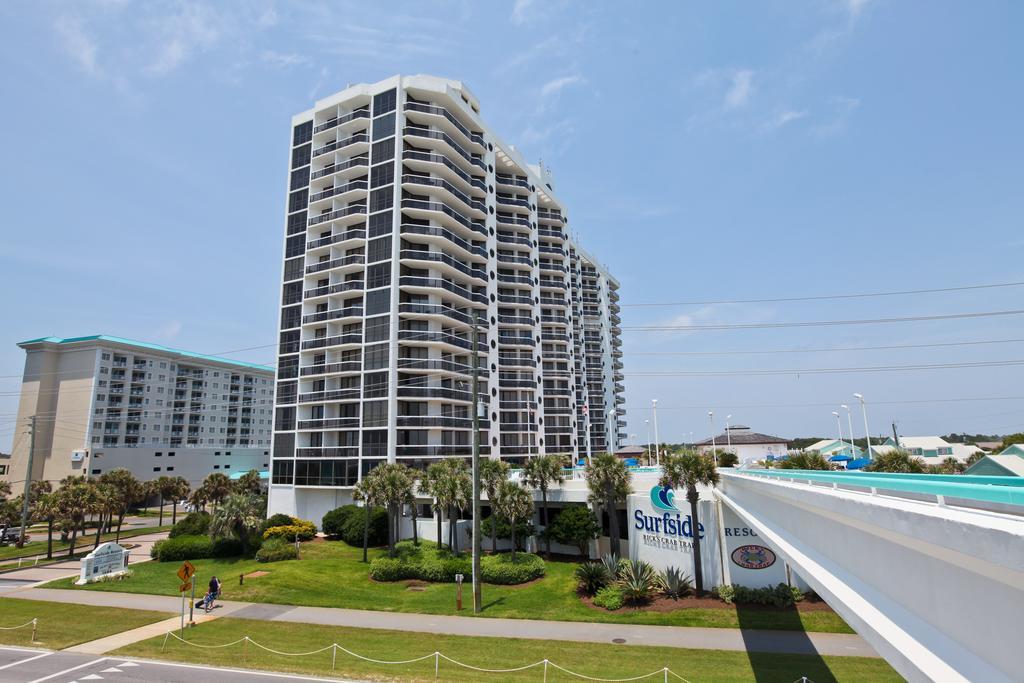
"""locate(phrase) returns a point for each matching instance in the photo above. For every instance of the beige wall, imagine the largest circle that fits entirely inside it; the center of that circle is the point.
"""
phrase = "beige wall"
(57, 387)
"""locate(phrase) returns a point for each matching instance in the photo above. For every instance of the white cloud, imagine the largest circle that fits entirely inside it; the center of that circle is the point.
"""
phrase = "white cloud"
(740, 89)
(180, 35)
(78, 44)
(520, 11)
(855, 7)
(783, 118)
(283, 60)
(555, 86)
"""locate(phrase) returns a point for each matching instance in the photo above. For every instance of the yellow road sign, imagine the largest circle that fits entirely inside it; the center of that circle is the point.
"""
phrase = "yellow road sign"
(186, 571)
(185, 587)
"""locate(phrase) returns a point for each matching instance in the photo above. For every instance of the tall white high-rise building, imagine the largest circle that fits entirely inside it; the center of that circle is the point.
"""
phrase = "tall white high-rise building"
(406, 215)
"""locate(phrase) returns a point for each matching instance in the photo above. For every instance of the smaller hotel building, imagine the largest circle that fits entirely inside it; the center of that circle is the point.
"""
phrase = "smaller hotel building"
(103, 402)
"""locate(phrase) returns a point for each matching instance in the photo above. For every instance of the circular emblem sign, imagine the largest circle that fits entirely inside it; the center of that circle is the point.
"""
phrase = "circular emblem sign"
(753, 557)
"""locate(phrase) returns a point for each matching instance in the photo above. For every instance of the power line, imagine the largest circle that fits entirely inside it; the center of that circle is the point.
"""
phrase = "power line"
(822, 371)
(825, 297)
(924, 401)
(824, 350)
(816, 323)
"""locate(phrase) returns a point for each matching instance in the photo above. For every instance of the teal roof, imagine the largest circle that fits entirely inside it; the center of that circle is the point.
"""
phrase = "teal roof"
(145, 345)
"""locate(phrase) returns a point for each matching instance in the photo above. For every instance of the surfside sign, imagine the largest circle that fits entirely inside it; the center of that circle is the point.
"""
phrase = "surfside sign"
(661, 532)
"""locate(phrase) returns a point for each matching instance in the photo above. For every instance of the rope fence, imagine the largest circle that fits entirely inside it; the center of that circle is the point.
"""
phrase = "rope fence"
(33, 624)
(664, 673)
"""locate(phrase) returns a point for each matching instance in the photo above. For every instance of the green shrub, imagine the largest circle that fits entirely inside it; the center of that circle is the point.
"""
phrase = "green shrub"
(609, 597)
(426, 563)
(275, 550)
(229, 547)
(280, 519)
(638, 581)
(773, 596)
(352, 532)
(501, 569)
(591, 577)
(193, 524)
(182, 548)
(575, 526)
(524, 529)
(334, 521)
(305, 531)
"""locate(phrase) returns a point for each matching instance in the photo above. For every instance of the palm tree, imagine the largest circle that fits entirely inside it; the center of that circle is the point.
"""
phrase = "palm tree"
(896, 460)
(429, 485)
(541, 473)
(690, 470)
(181, 491)
(394, 483)
(609, 483)
(240, 515)
(249, 483)
(199, 498)
(513, 503)
(492, 474)
(166, 488)
(104, 505)
(804, 460)
(76, 499)
(454, 489)
(46, 508)
(411, 502)
(218, 487)
(368, 491)
(127, 491)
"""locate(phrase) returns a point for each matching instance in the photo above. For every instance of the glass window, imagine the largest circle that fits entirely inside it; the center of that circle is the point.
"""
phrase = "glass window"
(378, 301)
(300, 178)
(375, 385)
(291, 316)
(378, 249)
(385, 102)
(378, 275)
(298, 200)
(375, 357)
(377, 329)
(295, 245)
(384, 127)
(382, 151)
(297, 222)
(293, 268)
(381, 199)
(302, 133)
(375, 413)
(382, 175)
(381, 224)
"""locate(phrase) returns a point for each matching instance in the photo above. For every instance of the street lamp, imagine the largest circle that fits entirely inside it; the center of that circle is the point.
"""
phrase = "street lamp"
(867, 434)
(657, 441)
(849, 424)
(728, 436)
(714, 447)
(840, 425)
(608, 434)
(648, 425)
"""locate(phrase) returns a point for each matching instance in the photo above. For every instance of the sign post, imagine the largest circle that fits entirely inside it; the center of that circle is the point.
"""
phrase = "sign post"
(458, 593)
(185, 573)
(192, 601)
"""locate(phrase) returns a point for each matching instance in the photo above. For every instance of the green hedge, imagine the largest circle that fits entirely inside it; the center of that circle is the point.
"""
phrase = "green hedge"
(777, 596)
(280, 519)
(193, 524)
(275, 550)
(195, 548)
(609, 597)
(297, 527)
(334, 521)
(352, 531)
(427, 564)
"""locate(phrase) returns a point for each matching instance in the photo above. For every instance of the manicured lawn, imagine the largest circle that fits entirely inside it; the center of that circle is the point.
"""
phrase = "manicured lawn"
(330, 574)
(37, 546)
(61, 626)
(592, 659)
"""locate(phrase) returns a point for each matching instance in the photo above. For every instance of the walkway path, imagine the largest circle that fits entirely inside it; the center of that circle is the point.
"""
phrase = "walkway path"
(791, 642)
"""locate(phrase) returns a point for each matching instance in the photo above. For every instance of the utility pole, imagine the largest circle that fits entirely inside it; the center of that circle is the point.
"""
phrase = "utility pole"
(477, 600)
(28, 480)
(895, 436)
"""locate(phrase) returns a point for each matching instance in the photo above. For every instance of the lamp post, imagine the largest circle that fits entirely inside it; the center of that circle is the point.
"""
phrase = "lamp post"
(849, 424)
(714, 446)
(840, 425)
(728, 436)
(608, 434)
(657, 441)
(867, 434)
(648, 425)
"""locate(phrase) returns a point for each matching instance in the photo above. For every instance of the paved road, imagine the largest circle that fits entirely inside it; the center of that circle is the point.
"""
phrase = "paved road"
(794, 642)
(36, 666)
(28, 576)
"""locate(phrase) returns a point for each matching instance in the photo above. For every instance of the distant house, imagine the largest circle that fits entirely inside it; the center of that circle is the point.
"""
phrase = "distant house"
(932, 449)
(1014, 449)
(990, 446)
(747, 445)
(833, 447)
(631, 452)
(1002, 465)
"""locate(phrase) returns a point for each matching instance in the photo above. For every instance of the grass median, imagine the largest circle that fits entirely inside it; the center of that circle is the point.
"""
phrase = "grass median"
(63, 625)
(330, 574)
(590, 659)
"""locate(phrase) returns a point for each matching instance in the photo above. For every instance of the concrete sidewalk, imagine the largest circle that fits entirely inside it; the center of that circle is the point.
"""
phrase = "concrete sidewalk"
(786, 642)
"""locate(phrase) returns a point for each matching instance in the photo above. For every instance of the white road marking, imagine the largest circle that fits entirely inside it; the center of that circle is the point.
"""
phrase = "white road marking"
(25, 661)
(126, 664)
(92, 677)
(112, 670)
(74, 668)
(248, 672)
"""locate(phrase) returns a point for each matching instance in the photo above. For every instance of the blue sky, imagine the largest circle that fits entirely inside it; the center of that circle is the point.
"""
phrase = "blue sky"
(706, 151)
